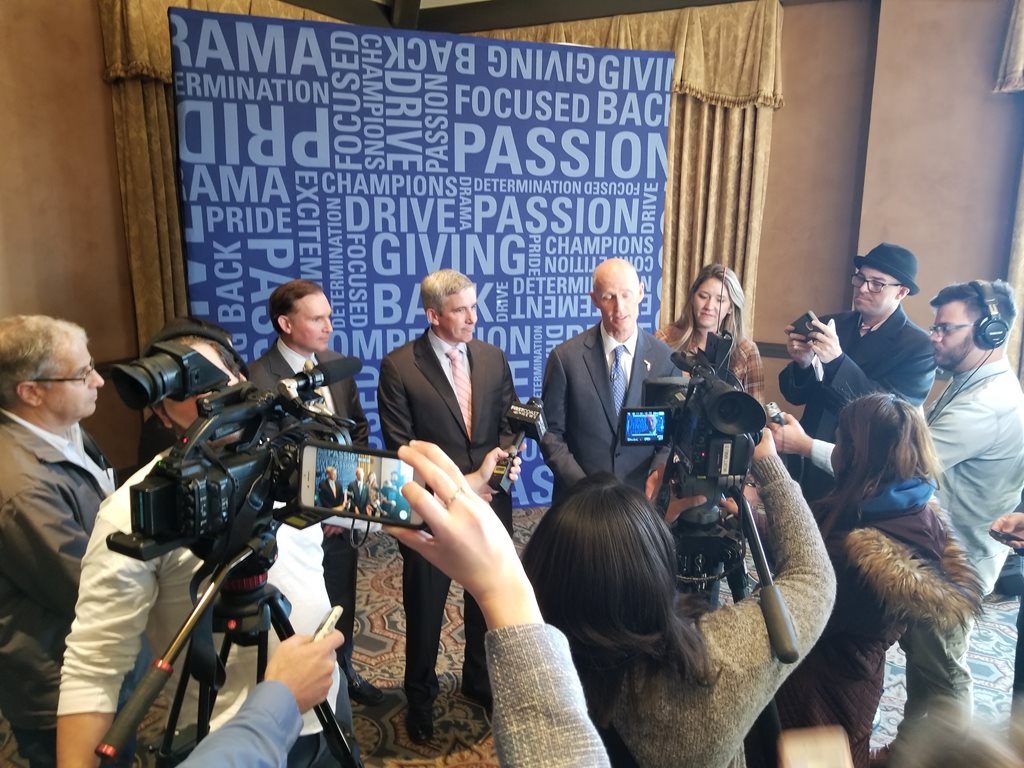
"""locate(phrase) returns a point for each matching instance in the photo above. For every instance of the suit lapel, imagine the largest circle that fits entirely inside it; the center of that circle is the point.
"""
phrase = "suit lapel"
(430, 367)
(278, 365)
(637, 374)
(875, 348)
(597, 366)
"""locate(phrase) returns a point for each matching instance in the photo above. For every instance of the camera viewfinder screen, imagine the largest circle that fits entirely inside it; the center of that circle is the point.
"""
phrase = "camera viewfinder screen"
(644, 426)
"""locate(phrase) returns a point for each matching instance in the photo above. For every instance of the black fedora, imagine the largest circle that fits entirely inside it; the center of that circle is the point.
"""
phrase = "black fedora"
(894, 260)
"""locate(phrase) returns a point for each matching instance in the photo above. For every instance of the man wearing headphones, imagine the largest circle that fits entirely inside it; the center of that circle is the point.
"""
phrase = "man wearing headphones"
(977, 425)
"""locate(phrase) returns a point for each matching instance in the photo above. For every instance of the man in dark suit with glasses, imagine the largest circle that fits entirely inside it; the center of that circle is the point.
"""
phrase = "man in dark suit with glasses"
(873, 348)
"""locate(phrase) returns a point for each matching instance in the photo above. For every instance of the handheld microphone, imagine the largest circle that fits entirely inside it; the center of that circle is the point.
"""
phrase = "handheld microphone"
(529, 418)
(322, 375)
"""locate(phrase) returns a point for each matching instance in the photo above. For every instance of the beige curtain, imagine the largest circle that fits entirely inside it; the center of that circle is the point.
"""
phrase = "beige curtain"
(1011, 80)
(137, 53)
(727, 84)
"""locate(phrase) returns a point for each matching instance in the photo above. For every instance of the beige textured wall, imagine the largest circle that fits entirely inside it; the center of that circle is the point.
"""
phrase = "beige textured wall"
(61, 243)
(888, 133)
(944, 151)
(816, 166)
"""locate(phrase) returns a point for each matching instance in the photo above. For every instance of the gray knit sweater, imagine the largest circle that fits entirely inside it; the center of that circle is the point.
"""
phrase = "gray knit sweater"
(540, 714)
(667, 723)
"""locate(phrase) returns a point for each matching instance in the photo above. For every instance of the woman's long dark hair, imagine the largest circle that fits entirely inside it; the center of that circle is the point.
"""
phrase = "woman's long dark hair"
(603, 563)
(881, 439)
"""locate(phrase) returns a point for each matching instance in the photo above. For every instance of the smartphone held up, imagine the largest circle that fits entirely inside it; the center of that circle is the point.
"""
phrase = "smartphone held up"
(804, 325)
(354, 483)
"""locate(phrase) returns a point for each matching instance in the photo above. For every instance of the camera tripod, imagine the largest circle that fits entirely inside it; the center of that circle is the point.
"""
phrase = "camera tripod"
(244, 608)
(706, 552)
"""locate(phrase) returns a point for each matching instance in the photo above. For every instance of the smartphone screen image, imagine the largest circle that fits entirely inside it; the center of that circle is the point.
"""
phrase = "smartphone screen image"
(357, 483)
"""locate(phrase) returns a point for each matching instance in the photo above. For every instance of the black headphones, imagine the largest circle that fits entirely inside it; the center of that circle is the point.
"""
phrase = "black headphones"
(194, 326)
(990, 330)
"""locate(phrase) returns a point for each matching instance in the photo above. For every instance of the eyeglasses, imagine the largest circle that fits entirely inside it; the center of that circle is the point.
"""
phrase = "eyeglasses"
(874, 286)
(81, 378)
(944, 329)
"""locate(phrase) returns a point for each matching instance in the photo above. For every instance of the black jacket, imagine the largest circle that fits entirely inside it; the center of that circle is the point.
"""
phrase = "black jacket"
(897, 357)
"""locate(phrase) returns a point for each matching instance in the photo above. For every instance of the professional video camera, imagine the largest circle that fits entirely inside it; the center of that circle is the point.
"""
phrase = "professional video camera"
(708, 423)
(195, 495)
(214, 493)
(709, 428)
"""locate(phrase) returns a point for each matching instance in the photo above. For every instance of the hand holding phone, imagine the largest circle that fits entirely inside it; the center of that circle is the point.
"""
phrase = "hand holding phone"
(1004, 537)
(327, 623)
(804, 324)
(342, 483)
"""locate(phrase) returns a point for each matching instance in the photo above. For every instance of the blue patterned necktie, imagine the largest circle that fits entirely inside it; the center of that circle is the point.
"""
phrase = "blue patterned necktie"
(618, 379)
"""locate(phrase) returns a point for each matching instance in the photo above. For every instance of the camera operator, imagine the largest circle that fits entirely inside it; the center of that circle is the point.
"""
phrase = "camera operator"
(301, 315)
(672, 689)
(122, 597)
(977, 426)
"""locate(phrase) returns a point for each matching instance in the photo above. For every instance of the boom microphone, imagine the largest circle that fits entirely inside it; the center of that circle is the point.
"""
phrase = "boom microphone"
(322, 375)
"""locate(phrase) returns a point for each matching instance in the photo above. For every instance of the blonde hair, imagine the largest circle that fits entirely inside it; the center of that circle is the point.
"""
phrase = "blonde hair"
(680, 333)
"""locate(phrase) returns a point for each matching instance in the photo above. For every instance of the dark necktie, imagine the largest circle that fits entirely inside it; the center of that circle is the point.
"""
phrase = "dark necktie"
(618, 379)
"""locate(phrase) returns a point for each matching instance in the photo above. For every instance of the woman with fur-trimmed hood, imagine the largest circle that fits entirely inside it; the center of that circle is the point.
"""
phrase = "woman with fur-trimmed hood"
(896, 561)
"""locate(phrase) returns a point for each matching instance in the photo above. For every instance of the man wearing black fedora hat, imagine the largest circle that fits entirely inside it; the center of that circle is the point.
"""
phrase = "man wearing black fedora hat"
(874, 348)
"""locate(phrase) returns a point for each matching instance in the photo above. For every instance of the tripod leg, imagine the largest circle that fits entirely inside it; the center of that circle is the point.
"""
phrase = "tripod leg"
(336, 740)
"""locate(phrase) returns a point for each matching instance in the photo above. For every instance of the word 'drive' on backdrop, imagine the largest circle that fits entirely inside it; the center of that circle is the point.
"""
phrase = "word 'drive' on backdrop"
(364, 159)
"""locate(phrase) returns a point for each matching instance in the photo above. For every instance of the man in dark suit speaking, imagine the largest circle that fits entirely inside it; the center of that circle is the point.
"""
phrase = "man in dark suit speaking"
(453, 390)
(330, 494)
(359, 492)
(590, 378)
(301, 315)
(874, 348)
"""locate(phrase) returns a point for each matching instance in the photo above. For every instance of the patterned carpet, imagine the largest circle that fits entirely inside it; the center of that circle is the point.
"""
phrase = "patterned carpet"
(462, 735)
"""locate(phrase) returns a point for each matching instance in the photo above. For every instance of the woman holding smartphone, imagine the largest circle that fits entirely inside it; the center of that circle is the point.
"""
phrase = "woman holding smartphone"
(713, 305)
(895, 562)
